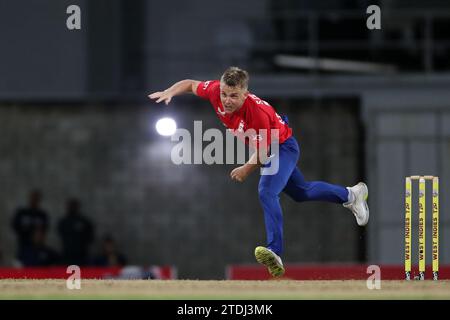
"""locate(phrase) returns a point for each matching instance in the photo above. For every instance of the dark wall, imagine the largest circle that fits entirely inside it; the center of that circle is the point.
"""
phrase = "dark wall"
(191, 216)
(41, 59)
(39, 56)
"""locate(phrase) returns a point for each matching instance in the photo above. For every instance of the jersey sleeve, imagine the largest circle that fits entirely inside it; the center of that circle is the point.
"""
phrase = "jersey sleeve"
(207, 89)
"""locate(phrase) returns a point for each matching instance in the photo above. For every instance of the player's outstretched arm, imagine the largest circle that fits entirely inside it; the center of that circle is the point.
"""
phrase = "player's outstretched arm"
(181, 87)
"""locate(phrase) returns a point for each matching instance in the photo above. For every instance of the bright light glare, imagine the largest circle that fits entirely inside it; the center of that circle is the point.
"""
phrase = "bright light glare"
(166, 126)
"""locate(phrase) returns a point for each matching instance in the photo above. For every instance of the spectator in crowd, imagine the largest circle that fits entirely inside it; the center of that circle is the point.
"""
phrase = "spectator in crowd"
(77, 234)
(109, 255)
(38, 253)
(29, 219)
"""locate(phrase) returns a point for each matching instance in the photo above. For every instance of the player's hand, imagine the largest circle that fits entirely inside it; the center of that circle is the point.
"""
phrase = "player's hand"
(239, 174)
(159, 96)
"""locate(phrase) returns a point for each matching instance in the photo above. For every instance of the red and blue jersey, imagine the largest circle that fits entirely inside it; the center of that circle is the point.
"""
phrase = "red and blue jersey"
(254, 114)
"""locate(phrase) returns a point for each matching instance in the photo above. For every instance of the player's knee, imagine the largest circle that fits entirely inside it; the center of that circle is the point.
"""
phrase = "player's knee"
(309, 193)
(301, 193)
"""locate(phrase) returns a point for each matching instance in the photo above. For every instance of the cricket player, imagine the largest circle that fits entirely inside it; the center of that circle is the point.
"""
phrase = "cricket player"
(240, 111)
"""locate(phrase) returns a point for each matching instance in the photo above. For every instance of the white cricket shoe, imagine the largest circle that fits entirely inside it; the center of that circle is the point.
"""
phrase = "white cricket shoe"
(359, 205)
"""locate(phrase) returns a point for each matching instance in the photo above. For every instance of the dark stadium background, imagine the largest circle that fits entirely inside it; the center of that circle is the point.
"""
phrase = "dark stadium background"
(75, 121)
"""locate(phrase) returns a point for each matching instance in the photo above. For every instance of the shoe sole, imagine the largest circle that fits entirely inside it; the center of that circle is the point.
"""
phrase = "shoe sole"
(366, 196)
(265, 257)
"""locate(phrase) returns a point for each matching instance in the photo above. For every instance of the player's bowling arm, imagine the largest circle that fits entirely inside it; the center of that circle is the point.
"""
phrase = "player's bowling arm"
(194, 86)
(181, 87)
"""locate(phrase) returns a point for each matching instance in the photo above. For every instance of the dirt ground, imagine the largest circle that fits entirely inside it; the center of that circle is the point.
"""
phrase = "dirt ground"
(207, 290)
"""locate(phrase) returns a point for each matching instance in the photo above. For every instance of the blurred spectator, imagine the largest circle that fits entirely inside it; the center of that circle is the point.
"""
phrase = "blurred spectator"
(38, 254)
(77, 233)
(109, 255)
(29, 219)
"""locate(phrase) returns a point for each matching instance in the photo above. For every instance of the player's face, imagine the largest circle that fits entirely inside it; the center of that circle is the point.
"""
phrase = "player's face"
(232, 97)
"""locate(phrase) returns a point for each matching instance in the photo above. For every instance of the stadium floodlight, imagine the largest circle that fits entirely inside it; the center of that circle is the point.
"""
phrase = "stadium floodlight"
(166, 126)
(299, 62)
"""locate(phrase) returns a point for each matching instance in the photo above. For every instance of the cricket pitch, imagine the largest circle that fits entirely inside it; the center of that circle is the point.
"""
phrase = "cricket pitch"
(222, 290)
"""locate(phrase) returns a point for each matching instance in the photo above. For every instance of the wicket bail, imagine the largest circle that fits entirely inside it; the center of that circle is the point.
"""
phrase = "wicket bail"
(421, 234)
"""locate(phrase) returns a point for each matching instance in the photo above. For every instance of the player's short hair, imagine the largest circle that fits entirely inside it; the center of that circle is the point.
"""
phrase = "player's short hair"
(235, 77)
